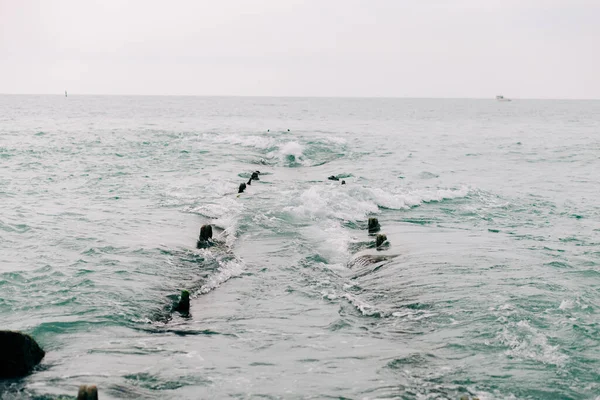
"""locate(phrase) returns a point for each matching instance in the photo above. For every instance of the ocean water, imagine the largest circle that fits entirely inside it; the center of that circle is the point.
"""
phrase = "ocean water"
(489, 287)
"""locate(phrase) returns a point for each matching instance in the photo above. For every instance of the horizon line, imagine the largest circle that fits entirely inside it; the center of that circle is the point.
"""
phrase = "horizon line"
(299, 97)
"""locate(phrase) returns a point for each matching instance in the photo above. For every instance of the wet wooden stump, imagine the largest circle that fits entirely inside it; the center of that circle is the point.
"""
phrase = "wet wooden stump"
(374, 225)
(87, 392)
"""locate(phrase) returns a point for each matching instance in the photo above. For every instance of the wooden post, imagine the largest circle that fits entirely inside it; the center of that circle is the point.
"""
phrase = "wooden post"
(374, 225)
(87, 392)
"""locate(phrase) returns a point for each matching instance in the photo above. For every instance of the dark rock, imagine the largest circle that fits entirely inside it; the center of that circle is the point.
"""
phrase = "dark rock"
(249, 182)
(380, 239)
(333, 178)
(343, 182)
(184, 302)
(242, 188)
(87, 392)
(374, 225)
(19, 353)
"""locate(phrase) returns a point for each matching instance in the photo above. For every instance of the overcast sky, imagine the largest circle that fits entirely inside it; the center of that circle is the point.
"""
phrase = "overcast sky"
(391, 48)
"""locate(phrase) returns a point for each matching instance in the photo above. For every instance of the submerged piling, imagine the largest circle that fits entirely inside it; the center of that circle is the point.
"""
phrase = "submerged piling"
(184, 302)
(87, 392)
(380, 239)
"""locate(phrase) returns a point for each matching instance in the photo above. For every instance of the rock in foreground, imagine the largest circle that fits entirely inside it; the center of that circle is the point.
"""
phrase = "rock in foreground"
(19, 353)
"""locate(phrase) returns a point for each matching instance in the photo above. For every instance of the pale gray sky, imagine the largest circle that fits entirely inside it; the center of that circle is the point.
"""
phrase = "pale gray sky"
(392, 48)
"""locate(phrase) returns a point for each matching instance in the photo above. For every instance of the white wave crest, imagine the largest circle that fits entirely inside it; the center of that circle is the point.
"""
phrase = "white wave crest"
(355, 203)
(228, 270)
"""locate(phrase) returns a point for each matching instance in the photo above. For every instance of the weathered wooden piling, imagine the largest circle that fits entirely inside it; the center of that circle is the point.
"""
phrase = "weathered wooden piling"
(380, 239)
(204, 238)
(184, 302)
(374, 225)
(205, 232)
(87, 392)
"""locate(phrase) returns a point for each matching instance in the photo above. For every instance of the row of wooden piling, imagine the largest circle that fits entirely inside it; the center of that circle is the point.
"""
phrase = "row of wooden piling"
(374, 227)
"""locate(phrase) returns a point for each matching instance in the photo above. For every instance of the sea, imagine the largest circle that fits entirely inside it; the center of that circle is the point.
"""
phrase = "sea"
(487, 287)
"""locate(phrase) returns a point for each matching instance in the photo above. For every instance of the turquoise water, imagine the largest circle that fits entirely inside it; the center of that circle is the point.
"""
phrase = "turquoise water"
(490, 285)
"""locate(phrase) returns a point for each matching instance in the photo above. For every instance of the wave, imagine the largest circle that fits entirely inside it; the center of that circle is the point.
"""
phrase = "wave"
(290, 154)
(355, 203)
(227, 270)
(281, 150)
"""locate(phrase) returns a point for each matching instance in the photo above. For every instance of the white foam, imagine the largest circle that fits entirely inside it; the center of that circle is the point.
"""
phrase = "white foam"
(525, 341)
(402, 199)
(330, 240)
(255, 141)
(413, 315)
(287, 149)
(327, 206)
(328, 201)
(355, 203)
(225, 214)
(566, 305)
(336, 140)
(362, 306)
(228, 270)
(569, 304)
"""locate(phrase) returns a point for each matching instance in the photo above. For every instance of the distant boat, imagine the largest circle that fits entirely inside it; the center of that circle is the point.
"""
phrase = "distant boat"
(501, 98)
